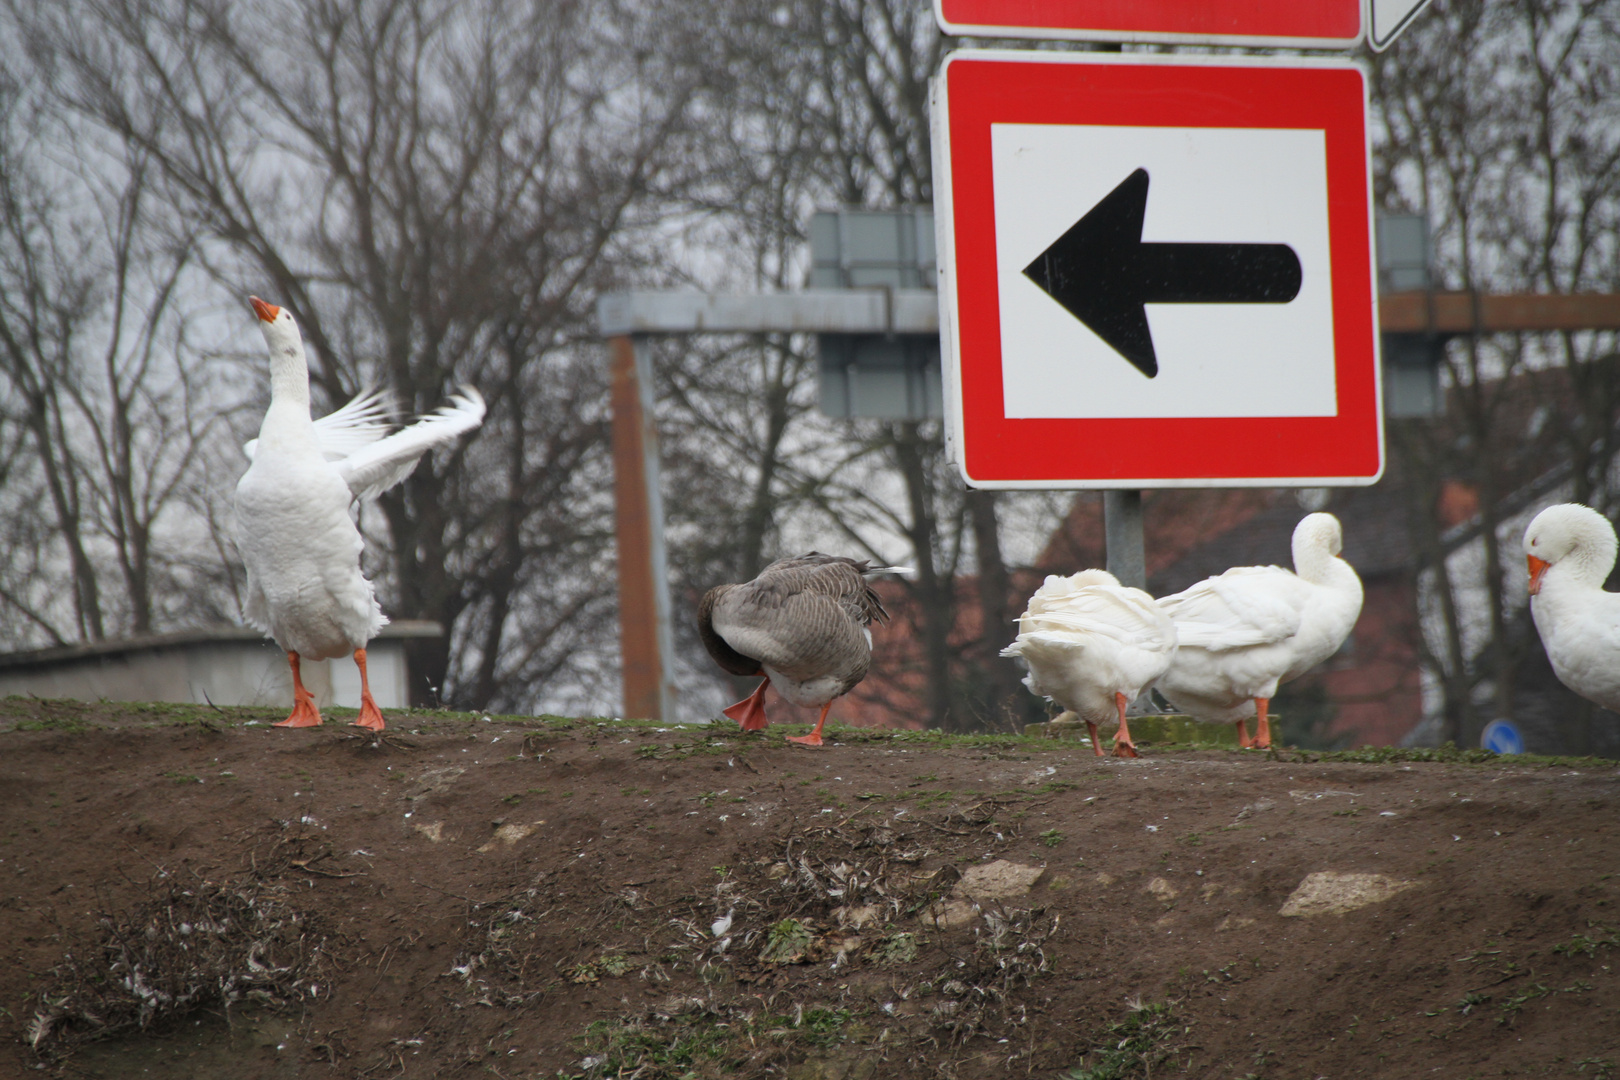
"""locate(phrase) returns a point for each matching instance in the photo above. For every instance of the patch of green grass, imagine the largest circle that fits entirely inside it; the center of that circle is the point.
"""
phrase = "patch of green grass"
(1052, 786)
(182, 778)
(1134, 1047)
(708, 1043)
(71, 725)
(1447, 754)
(610, 965)
(787, 942)
(1583, 945)
(898, 948)
(1510, 1007)
(1051, 837)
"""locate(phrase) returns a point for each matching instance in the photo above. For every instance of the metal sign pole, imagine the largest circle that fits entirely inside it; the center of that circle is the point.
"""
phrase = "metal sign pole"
(1122, 531)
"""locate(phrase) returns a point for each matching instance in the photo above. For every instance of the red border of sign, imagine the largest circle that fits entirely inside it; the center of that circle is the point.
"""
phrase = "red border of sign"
(981, 88)
(1301, 23)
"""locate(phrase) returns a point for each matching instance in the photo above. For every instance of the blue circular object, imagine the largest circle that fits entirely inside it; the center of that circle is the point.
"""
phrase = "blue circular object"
(1501, 737)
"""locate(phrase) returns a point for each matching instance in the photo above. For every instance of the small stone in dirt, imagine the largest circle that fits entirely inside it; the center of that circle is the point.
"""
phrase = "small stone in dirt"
(999, 880)
(1162, 890)
(855, 916)
(949, 914)
(1253, 808)
(434, 832)
(1331, 892)
(508, 835)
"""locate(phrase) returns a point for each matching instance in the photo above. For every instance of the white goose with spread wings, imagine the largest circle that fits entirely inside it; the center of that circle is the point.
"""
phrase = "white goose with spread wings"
(1243, 632)
(803, 623)
(1092, 645)
(293, 523)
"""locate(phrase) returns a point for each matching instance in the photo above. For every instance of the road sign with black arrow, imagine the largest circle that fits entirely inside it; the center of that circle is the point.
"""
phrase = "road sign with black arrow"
(1207, 220)
(1102, 273)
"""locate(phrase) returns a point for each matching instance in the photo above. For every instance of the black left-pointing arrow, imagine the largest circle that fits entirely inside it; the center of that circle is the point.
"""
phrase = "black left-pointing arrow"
(1102, 273)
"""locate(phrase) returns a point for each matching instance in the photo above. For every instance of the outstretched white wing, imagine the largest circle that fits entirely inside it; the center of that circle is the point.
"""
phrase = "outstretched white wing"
(364, 420)
(374, 468)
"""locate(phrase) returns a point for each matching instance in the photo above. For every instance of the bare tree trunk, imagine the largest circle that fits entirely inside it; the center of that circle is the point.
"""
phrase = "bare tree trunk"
(932, 591)
(995, 594)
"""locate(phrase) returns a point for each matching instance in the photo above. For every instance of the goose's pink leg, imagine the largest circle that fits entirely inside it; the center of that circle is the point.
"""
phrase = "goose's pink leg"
(1123, 747)
(814, 738)
(750, 711)
(1262, 729)
(304, 713)
(1243, 734)
(370, 716)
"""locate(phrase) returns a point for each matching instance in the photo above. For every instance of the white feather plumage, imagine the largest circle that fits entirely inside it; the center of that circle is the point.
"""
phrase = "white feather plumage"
(1086, 638)
(1578, 621)
(294, 527)
(1243, 632)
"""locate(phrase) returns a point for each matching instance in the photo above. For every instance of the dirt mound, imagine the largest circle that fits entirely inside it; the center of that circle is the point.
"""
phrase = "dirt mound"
(186, 892)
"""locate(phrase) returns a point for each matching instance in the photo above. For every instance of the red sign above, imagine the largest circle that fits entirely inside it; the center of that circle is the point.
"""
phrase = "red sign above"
(1157, 271)
(1322, 24)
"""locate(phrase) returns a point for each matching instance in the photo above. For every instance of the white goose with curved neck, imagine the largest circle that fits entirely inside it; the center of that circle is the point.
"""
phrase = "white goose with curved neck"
(1242, 633)
(1578, 621)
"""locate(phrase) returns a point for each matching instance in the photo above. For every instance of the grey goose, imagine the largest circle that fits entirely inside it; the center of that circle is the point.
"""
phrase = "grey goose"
(803, 624)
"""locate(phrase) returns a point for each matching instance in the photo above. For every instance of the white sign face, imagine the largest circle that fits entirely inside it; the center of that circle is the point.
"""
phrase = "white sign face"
(1206, 186)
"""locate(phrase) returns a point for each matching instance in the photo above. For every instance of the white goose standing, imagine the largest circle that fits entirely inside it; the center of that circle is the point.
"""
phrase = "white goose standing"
(1092, 645)
(293, 527)
(1571, 551)
(1241, 633)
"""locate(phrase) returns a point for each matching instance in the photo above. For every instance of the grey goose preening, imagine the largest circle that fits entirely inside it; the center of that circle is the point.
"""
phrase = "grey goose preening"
(802, 624)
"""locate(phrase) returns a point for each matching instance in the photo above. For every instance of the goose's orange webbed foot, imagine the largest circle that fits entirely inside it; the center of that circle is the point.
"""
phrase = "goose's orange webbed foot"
(750, 711)
(304, 713)
(370, 716)
(1123, 746)
(814, 738)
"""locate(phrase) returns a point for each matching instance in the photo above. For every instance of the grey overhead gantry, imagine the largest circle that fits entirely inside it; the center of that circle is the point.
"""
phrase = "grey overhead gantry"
(872, 305)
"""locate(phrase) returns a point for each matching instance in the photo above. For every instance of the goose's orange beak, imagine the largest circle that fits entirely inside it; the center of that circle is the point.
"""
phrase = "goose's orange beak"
(264, 311)
(1538, 569)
